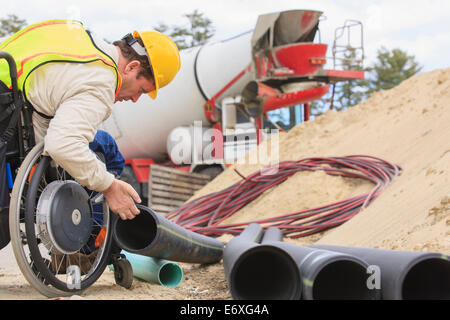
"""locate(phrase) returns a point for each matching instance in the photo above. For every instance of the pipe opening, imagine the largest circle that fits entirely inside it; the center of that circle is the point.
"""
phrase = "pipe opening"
(170, 275)
(428, 279)
(136, 234)
(342, 280)
(265, 273)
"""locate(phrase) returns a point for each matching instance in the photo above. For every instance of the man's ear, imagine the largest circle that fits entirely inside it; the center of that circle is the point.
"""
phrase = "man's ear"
(132, 65)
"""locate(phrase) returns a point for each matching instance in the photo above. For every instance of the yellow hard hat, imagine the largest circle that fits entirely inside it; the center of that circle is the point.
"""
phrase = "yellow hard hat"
(163, 55)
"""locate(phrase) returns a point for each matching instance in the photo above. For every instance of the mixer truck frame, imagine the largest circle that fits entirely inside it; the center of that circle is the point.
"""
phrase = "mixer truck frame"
(212, 113)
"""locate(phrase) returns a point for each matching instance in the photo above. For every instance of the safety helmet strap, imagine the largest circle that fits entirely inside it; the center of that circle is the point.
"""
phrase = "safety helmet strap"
(133, 43)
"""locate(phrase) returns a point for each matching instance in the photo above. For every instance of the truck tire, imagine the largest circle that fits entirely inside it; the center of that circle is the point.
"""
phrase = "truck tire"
(212, 171)
(129, 177)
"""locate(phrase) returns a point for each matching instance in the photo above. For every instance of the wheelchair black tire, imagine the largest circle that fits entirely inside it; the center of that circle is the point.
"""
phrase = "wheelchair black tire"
(123, 273)
(44, 281)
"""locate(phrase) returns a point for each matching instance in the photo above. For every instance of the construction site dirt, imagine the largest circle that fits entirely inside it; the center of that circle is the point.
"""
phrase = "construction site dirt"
(407, 125)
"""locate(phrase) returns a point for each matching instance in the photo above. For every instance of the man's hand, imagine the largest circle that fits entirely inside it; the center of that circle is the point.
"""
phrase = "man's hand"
(120, 196)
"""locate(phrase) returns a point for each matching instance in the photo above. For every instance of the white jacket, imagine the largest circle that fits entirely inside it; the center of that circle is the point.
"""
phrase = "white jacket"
(79, 96)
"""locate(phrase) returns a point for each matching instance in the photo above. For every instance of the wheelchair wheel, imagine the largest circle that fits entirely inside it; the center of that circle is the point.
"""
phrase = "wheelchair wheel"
(60, 232)
(123, 273)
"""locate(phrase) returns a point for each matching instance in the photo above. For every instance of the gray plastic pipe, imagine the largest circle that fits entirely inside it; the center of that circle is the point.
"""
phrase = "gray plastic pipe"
(258, 271)
(150, 234)
(326, 274)
(261, 266)
(404, 274)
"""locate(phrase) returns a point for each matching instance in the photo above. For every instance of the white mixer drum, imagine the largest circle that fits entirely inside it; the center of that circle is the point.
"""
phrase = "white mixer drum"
(193, 144)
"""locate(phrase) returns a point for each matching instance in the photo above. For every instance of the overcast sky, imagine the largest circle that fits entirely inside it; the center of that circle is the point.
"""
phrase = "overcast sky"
(422, 28)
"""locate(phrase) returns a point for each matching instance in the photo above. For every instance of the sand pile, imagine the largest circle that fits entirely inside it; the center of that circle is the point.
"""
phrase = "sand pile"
(408, 125)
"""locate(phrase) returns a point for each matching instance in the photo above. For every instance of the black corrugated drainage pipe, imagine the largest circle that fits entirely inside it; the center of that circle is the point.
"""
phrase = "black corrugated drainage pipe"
(257, 271)
(149, 234)
(404, 275)
(327, 274)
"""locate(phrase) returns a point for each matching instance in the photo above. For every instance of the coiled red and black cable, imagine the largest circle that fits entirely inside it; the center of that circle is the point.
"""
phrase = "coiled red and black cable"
(206, 214)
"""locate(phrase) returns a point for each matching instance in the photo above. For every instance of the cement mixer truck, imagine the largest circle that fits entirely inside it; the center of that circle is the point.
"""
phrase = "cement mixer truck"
(212, 113)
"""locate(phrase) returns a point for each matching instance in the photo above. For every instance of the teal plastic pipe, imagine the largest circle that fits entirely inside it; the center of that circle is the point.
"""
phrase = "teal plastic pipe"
(159, 271)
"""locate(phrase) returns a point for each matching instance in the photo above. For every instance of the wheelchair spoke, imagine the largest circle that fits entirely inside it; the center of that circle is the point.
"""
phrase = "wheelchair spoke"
(46, 244)
(60, 264)
(97, 223)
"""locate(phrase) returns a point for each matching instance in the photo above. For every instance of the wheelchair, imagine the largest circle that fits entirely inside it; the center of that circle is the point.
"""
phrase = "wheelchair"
(60, 232)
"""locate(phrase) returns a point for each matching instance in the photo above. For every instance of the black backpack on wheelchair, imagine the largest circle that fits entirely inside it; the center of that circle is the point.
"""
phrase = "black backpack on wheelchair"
(60, 232)
(12, 149)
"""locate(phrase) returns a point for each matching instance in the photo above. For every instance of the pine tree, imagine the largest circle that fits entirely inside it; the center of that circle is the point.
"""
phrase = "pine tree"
(10, 25)
(198, 31)
(391, 68)
(388, 71)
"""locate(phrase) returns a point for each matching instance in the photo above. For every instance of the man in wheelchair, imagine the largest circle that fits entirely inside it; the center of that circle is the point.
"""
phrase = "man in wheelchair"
(66, 83)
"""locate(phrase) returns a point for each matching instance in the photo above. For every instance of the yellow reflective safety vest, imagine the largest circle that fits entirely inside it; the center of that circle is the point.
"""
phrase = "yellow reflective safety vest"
(49, 42)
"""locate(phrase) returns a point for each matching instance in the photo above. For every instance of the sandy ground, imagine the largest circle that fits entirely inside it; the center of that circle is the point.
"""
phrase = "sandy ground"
(407, 125)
